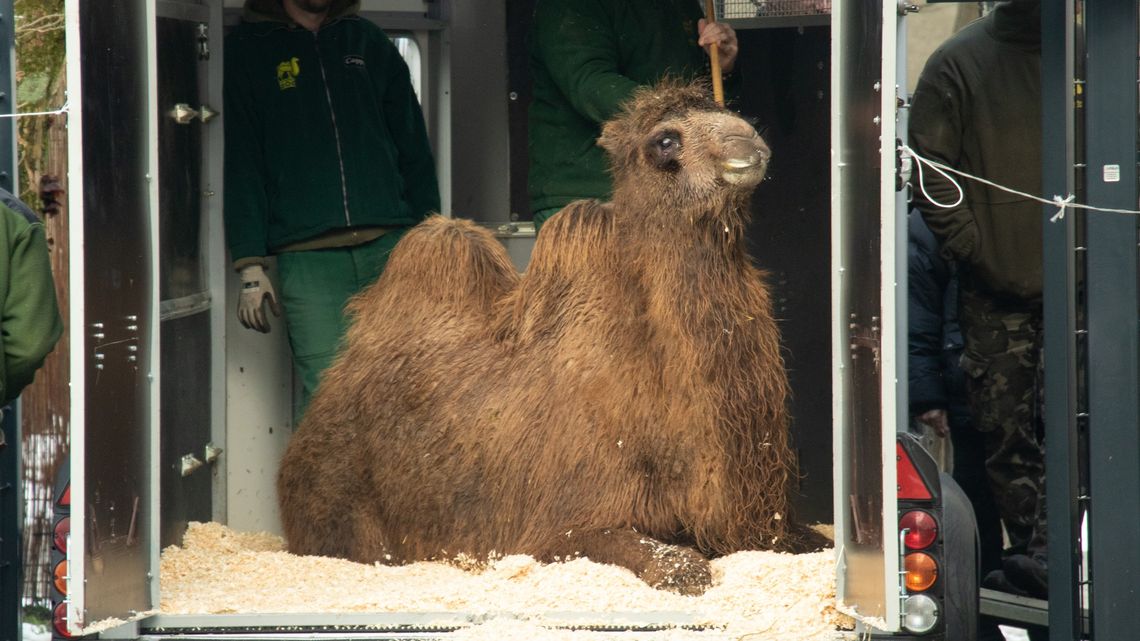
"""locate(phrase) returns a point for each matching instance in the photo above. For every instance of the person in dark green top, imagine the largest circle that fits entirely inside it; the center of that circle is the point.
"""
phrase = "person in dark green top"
(327, 164)
(587, 57)
(30, 324)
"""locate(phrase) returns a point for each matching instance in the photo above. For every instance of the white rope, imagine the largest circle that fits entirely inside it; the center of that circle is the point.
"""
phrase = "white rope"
(64, 109)
(1061, 203)
(922, 182)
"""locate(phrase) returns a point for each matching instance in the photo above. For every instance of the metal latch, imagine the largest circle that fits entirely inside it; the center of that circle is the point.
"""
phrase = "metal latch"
(203, 41)
(184, 114)
(190, 463)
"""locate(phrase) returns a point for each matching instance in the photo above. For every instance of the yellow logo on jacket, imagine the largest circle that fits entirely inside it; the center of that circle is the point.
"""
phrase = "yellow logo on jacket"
(287, 73)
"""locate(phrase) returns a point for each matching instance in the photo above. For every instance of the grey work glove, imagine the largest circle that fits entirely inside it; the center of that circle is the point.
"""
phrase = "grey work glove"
(256, 290)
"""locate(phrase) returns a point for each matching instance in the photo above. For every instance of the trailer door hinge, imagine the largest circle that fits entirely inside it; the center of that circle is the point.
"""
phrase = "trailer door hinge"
(203, 41)
(904, 167)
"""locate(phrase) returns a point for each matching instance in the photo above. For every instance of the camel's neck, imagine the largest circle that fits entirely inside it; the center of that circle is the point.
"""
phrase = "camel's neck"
(712, 222)
(700, 284)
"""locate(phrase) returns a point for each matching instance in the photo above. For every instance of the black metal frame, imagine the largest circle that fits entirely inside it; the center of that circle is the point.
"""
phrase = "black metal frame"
(7, 94)
(1113, 301)
(10, 526)
(11, 494)
(1059, 252)
(1107, 357)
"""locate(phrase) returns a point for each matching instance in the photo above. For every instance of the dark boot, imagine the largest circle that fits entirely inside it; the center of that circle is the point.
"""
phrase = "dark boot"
(997, 580)
(1031, 574)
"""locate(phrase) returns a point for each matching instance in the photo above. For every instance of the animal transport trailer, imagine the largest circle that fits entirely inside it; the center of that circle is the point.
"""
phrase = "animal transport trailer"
(170, 399)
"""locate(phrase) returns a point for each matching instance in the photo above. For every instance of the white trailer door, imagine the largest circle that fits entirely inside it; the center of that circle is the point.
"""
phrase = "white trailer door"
(868, 299)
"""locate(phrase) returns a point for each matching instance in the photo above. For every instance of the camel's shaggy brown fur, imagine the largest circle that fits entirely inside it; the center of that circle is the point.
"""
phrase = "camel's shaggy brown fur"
(623, 400)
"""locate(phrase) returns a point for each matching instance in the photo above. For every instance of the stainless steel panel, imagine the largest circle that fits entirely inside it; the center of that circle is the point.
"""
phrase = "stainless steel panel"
(117, 290)
(857, 34)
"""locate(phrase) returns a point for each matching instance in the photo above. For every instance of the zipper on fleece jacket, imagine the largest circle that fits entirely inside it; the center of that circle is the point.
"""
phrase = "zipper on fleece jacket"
(336, 130)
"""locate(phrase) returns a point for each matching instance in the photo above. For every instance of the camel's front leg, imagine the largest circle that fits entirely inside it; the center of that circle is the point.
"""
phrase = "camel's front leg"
(676, 568)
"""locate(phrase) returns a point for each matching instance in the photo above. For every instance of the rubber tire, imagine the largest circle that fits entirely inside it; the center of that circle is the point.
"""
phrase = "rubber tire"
(961, 574)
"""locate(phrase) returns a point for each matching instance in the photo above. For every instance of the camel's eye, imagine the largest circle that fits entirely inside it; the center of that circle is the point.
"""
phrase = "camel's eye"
(664, 148)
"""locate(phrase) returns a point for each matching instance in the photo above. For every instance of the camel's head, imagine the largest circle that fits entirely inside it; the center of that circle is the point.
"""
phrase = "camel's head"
(674, 146)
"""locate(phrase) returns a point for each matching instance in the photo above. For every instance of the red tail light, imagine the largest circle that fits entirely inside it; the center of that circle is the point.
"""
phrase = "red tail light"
(59, 620)
(59, 533)
(921, 527)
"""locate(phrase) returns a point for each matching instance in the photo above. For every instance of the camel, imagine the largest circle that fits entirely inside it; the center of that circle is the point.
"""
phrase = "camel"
(623, 400)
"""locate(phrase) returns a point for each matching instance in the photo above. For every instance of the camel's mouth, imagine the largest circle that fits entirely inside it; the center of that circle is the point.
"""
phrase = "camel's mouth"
(738, 171)
(744, 159)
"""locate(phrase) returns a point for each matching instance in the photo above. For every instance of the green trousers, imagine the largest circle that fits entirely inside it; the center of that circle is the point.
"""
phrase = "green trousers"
(314, 287)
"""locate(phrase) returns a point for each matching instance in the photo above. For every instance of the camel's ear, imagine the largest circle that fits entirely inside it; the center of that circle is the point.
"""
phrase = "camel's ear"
(609, 138)
(615, 140)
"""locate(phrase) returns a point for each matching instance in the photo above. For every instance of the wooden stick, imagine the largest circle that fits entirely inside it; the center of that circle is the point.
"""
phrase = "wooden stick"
(714, 57)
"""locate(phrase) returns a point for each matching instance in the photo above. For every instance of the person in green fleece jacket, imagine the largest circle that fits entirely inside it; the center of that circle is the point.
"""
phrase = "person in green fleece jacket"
(588, 57)
(327, 164)
(30, 323)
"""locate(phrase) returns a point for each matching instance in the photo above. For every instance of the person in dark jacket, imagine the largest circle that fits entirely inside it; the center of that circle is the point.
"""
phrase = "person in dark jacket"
(937, 382)
(977, 108)
(937, 385)
(327, 164)
(30, 324)
(587, 57)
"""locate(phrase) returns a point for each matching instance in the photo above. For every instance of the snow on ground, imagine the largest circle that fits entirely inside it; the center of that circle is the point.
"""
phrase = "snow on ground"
(35, 632)
(1013, 634)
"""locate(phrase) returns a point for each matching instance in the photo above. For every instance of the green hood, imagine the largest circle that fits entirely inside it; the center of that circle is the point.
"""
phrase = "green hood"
(273, 11)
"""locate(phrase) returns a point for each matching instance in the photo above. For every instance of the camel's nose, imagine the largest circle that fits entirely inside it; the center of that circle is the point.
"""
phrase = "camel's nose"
(743, 151)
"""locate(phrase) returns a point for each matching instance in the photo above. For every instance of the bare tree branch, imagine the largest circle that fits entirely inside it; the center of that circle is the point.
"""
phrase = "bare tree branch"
(46, 23)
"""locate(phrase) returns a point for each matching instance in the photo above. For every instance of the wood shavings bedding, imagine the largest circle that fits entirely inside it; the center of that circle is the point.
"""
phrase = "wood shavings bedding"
(757, 596)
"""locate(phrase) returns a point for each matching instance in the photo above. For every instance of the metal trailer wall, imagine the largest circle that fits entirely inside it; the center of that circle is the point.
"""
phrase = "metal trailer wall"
(186, 266)
(1060, 262)
(790, 235)
(10, 519)
(480, 140)
(1113, 321)
(1091, 300)
(8, 96)
(490, 91)
(11, 512)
